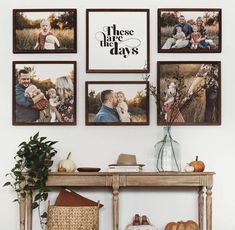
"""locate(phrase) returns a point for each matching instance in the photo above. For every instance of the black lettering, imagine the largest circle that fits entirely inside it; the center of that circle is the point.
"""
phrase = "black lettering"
(110, 44)
(115, 32)
(103, 42)
(112, 30)
(126, 32)
(119, 38)
(125, 52)
(135, 51)
(114, 50)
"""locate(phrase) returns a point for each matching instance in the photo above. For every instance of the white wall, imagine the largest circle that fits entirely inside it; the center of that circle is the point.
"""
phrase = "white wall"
(100, 146)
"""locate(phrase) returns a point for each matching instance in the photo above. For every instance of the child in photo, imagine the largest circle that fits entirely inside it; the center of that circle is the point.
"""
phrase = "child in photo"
(32, 91)
(180, 36)
(171, 106)
(195, 38)
(42, 41)
(122, 107)
(53, 101)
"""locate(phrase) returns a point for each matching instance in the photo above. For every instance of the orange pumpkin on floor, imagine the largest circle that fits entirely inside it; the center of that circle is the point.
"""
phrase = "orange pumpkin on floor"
(188, 225)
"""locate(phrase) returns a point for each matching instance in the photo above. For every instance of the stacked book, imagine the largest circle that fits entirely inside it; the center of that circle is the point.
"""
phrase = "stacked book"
(125, 168)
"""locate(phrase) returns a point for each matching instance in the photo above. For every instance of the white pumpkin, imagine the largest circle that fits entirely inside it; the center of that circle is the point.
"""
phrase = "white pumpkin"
(188, 168)
(67, 165)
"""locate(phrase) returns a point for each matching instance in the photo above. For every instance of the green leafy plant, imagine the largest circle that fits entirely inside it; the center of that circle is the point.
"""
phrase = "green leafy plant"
(29, 175)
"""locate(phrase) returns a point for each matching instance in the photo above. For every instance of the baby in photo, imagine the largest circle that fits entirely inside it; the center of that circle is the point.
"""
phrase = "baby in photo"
(32, 91)
(122, 108)
(180, 36)
(53, 101)
(46, 40)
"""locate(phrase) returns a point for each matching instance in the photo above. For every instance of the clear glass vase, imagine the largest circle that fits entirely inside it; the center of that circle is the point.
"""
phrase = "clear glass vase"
(167, 153)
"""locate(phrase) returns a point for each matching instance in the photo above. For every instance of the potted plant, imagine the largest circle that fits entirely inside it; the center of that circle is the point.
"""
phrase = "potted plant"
(29, 175)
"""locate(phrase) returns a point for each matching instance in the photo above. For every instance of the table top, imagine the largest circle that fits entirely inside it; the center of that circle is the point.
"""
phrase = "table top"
(119, 179)
(131, 173)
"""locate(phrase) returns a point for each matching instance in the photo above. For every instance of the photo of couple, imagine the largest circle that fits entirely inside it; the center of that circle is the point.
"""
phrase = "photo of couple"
(123, 103)
(189, 93)
(44, 31)
(44, 93)
(189, 30)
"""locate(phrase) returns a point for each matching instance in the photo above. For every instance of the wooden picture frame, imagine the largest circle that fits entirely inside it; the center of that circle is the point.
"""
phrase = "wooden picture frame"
(117, 41)
(189, 30)
(44, 92)
(117, 103)
(189, 93)
(45, 31)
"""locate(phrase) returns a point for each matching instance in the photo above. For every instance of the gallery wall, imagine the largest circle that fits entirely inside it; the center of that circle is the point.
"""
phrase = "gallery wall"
(98, 146)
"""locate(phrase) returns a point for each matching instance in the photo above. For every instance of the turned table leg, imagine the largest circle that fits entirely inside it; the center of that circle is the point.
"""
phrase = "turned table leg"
(29, 211)
(22, 206)
(200, 207)
(209, 208)
(115, 202)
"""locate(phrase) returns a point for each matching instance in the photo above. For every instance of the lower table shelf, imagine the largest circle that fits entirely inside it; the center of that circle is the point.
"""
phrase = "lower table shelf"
(203, 181)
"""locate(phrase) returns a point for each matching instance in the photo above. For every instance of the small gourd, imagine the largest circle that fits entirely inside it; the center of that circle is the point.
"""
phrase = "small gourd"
(67, 165)
(181, 225)
(199, 166)
(188, 168)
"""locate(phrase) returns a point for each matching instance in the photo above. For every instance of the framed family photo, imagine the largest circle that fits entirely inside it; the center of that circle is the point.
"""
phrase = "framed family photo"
(44, 93)
(117, 103)
(44, 31)
(117, 41)
(189, 93)
(189, 30)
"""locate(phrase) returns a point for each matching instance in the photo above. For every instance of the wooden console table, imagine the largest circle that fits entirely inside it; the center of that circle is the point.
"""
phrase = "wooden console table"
(202, 181)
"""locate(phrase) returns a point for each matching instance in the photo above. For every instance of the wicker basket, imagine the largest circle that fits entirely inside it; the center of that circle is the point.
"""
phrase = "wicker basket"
(73, 218)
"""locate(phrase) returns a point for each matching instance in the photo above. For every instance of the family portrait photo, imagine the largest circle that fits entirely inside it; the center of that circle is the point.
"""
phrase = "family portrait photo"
(44, 93)
(117, 41)
(117, 103)
(189, 30)
(45, 31)
(189, 93)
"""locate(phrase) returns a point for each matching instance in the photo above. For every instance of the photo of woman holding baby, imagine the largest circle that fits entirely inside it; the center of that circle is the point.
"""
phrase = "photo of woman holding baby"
(44, 93)
(45, 31)
(189, 30)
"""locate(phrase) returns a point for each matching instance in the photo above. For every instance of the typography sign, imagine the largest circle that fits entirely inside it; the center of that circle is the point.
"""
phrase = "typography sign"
(117, 40)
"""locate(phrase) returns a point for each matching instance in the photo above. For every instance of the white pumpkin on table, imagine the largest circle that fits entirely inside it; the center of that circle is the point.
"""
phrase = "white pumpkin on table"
(67, 165)
(188, 168)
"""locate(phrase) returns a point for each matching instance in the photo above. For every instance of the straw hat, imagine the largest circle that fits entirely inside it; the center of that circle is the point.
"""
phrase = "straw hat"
(126, 160)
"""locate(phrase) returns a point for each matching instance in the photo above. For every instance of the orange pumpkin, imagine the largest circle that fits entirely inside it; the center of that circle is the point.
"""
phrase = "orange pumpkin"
(188, 225)
(199, 166)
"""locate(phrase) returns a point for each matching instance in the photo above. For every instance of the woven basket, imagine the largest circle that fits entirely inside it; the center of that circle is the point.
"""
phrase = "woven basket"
(73, 218)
